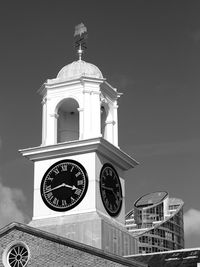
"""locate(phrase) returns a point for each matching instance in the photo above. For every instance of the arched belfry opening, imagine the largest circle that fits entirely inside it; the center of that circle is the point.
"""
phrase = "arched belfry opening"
(68, 121)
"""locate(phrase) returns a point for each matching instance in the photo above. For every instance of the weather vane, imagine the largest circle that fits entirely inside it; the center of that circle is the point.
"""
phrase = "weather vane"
(80, 37)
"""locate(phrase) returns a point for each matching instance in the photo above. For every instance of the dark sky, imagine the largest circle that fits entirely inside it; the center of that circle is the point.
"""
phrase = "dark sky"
(149, 50)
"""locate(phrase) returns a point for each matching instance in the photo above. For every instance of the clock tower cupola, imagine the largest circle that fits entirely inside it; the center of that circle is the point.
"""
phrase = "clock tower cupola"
(79, 182)
(79, 104)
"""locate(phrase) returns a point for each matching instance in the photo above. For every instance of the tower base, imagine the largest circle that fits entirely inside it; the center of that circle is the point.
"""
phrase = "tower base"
(92, 229)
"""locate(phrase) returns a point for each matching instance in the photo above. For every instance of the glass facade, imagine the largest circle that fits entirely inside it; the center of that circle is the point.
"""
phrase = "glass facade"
(157, 223)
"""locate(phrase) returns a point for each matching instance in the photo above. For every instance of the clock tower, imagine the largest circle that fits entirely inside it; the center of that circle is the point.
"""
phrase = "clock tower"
(79, 189)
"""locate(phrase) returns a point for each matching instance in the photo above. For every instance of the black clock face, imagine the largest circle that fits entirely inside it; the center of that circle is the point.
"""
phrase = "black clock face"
(64, 185)
(110, 189)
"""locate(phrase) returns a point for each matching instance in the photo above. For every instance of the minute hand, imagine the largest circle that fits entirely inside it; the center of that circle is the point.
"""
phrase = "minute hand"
(111, 189)
(69, 186)
(61, 185)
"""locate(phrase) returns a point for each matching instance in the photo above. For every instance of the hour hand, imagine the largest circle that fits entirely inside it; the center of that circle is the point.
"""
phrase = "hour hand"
(73, 187)
(111, 189)
(106, 187)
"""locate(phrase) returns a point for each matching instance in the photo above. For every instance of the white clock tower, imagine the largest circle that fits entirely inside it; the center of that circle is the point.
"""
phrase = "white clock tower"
(80, 125)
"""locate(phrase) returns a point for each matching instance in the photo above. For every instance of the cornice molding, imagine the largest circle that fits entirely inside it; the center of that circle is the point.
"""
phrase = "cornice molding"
(110, 91)
(55, 83)
(99, 145)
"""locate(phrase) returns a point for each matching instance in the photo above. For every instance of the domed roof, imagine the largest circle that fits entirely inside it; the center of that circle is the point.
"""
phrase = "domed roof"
(79, 68)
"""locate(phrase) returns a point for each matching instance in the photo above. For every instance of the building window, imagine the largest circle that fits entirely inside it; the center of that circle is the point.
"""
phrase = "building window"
(16, 256)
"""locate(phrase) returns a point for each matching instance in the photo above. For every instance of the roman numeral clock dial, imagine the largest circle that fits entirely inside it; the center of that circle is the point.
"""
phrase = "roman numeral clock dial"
(64, 185)
(110, 189)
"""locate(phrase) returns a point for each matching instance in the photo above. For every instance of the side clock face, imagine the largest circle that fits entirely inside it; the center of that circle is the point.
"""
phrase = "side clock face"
(64, 185)
(110, 189)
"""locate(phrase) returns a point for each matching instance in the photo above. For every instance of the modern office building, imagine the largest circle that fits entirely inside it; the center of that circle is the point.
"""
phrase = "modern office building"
(157, 222)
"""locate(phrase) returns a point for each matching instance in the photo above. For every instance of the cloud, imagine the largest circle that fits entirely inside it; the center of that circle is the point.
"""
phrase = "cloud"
(12, 201)
(12, 204)
(192, 228)
(192, 222)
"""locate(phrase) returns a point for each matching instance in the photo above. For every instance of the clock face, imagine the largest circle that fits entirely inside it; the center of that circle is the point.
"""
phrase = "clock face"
(110, 189)
(64, 185)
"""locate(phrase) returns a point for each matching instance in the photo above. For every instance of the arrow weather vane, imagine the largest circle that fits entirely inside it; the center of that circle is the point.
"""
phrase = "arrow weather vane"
(80, 36)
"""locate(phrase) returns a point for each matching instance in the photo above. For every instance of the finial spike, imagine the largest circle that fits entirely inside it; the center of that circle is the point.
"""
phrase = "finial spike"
(80, 36)
(80, 52)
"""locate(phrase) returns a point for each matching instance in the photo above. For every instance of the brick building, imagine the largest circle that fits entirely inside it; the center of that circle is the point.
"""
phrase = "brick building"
(22, 245)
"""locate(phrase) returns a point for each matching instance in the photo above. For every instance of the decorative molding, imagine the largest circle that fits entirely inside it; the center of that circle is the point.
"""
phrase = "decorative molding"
(86, 91)
(91, 92)
(115, 106)
(55, 115)
(95, 92)
(99, 145)
(44, 101)
(111, 92)
(81, 79)
(111, 122)
(103, 99)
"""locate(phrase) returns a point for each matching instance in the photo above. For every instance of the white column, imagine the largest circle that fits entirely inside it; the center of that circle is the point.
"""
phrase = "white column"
(86, 115)
(81, 124)
(109, 131)
(56, 117)
(95, 114)
(115, 124)
(51, 129)
(44, 122)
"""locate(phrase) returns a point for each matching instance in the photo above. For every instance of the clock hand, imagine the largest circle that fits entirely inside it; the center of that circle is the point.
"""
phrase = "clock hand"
(69, 186)
(55, 188)
(108, 188)
(111, 189)
(63, 184)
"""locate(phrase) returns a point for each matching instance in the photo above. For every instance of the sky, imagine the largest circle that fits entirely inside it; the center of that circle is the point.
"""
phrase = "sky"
(149, 50)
